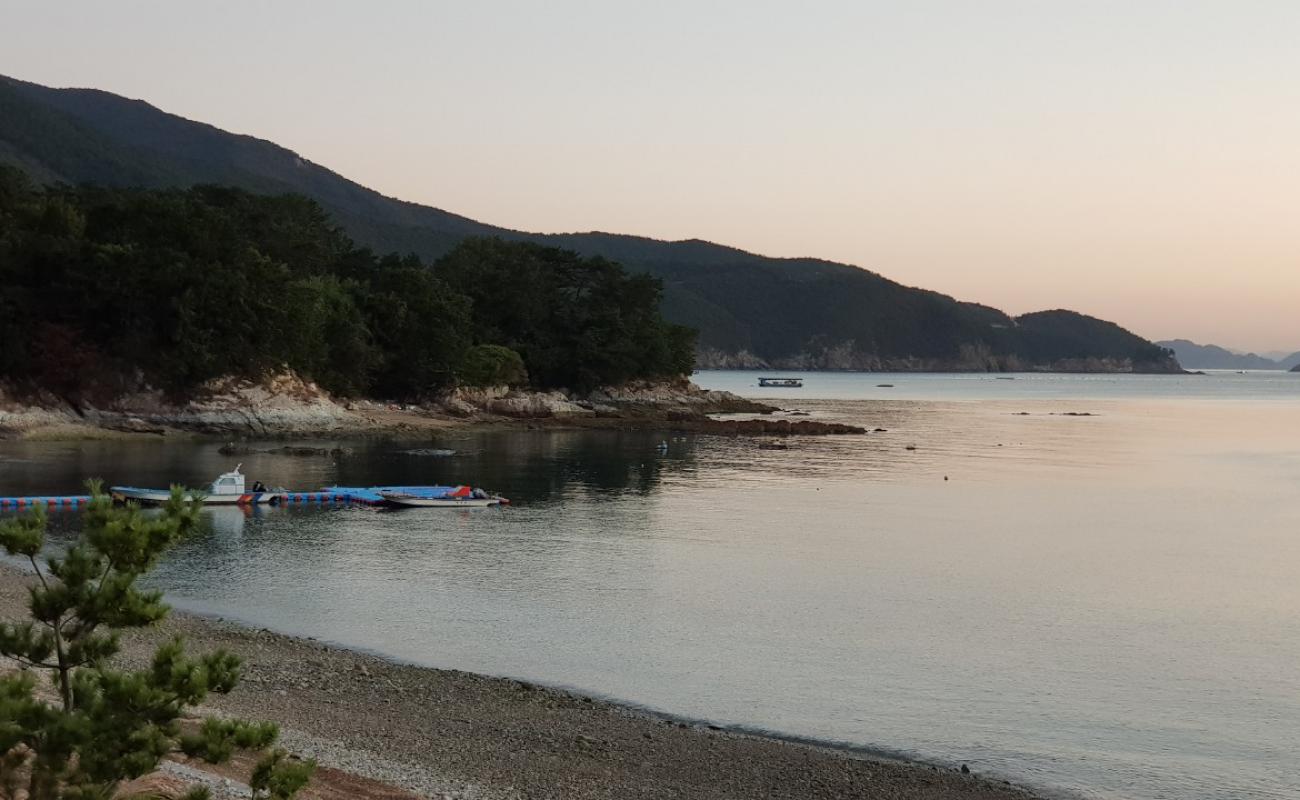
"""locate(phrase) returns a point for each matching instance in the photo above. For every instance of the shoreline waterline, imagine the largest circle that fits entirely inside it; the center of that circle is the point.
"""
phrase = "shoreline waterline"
(366, 697)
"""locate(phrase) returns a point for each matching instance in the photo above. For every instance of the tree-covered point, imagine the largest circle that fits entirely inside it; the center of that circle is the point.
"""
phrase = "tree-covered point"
(578, 322)
(100, 288)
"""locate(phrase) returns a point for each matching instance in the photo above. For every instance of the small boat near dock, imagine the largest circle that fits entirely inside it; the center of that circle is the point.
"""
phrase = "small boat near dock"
(414, 501)
(227, 490)
(781, 383)
(419, 496)
(439, 497)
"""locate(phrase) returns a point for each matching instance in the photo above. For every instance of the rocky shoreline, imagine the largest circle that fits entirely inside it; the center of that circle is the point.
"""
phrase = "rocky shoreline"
(286, 406)
(383, 730)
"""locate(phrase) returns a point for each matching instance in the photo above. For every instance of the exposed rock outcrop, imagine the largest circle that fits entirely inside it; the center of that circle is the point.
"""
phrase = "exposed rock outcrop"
(679, 399)
(288, 406)
(32, 413)
(514, 403)
(679, 396)
(278, 405)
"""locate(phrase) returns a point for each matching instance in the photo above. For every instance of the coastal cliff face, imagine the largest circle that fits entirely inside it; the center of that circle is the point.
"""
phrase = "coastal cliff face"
(287, 405)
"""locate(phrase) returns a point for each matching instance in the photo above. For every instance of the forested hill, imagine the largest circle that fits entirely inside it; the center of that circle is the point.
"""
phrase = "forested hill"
(750, 310)
(104, 292)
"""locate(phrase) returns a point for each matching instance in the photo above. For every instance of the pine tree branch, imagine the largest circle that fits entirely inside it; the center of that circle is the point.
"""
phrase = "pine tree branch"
(39, 574)
(30, 663)
(104, 577)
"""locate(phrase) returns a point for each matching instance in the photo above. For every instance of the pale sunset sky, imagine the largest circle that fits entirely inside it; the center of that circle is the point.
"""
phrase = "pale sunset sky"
(1137, 160)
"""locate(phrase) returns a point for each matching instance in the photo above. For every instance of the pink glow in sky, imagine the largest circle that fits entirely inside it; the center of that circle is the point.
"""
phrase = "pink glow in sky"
(1139, 161)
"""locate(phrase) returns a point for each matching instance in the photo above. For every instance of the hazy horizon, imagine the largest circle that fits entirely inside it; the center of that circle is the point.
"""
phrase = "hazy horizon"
(1132, 162)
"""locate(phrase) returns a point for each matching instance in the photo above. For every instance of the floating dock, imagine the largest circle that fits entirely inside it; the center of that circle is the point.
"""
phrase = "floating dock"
(76, 501)
(49, 501)
(316, 497)
(368, 496)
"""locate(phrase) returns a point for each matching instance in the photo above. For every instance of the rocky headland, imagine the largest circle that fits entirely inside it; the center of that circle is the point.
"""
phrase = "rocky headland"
(288, 406)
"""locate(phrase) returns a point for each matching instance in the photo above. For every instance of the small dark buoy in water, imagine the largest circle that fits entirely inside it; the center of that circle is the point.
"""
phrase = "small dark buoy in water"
(965, 770)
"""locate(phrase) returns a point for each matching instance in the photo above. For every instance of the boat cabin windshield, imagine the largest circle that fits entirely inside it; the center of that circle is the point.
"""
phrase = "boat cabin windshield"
(229, 483)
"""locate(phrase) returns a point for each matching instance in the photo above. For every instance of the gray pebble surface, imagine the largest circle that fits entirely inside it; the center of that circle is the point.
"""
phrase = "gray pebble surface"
(461, 736)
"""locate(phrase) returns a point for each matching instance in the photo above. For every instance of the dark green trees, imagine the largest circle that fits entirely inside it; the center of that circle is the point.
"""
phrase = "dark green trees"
(577, 322)
(180, 287)
(109, 725)
(419, 325)
(492, 365)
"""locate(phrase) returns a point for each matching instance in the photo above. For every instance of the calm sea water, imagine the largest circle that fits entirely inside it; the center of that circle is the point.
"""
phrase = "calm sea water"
(1106, 606)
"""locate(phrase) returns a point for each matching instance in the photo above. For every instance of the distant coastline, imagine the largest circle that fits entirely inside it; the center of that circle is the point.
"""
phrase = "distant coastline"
(1208, 356)
(972, 362)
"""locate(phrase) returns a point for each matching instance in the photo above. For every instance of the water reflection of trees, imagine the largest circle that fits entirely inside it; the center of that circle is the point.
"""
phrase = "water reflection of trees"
(528, 466)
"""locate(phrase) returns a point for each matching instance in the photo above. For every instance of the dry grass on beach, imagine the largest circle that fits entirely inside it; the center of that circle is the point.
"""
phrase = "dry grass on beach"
(385, 731)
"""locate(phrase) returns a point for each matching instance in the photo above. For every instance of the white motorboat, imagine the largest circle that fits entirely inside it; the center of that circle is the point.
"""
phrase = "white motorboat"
(227, 490)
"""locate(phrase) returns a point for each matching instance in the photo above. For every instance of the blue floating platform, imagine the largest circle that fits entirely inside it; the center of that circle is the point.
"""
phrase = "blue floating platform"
(366, 495)
(370, 495)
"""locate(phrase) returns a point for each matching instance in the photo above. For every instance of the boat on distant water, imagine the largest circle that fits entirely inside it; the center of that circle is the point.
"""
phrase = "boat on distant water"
(227, 490)
(784, 383)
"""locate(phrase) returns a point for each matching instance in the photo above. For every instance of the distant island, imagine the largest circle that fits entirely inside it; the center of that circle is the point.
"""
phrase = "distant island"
(1208, 356)
(748, 310)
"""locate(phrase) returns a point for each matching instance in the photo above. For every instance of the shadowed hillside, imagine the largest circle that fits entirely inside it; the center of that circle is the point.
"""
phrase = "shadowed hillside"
(750, 310)
(1209, 356)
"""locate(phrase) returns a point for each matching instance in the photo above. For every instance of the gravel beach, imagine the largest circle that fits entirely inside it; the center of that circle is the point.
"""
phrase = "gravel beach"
(386, 730)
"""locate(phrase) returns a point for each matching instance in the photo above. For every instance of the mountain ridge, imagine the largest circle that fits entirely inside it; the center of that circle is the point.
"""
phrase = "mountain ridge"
(1210, 356)
(768, 311)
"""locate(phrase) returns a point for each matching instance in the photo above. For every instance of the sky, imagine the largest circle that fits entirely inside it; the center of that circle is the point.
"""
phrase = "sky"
(1137, 160)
